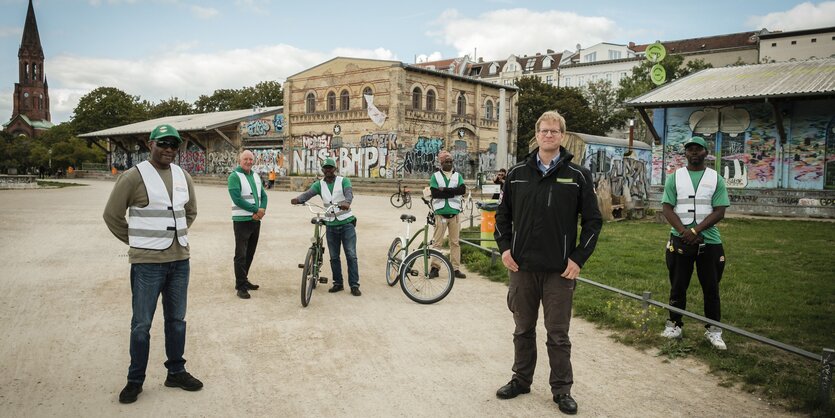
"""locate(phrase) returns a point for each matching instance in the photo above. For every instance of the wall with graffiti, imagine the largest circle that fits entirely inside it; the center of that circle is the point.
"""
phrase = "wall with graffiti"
(744, 144)
(272, 126)
(626, 174)
(374, 155)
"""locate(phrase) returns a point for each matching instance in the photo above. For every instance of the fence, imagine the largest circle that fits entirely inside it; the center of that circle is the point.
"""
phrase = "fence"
(95, 167)
(826, 359)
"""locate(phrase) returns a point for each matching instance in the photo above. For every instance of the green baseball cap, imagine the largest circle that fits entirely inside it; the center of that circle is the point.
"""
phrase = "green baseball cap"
(166, 131)
(696, 140)
(329, 162)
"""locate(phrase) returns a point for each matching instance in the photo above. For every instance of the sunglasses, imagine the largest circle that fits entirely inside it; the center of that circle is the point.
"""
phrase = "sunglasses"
(169, 145)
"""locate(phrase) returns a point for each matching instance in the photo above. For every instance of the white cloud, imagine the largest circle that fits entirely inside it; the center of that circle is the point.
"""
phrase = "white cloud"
(257, 6)
(204, 12)
(497, 34)
(803, 16)
(435, 56)
(182, 73)
(10, 31)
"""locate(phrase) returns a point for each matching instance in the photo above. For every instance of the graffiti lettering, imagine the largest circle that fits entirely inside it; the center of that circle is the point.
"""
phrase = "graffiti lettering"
(316, 141)
(387, 140)
(257, 128)
(742, 198)
(788, 200)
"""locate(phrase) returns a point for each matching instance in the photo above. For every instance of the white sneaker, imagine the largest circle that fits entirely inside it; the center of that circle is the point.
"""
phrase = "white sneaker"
(714, 335)
(671, 330)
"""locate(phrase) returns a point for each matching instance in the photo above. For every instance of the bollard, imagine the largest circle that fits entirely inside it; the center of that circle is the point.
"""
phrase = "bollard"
(827, 358)
(645, 302)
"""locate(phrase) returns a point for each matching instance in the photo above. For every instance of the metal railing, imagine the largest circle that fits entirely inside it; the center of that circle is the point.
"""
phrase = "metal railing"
(826, 359)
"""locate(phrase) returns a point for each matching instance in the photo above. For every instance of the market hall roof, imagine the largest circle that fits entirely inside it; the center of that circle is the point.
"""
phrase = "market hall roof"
(808, 79)
(186, 123)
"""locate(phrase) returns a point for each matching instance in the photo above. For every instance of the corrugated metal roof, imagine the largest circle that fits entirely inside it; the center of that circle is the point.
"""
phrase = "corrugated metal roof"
(747, 82)
(186, 123)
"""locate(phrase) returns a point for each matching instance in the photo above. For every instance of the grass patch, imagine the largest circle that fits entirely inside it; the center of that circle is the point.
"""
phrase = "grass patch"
(779, 282)
(57, 184)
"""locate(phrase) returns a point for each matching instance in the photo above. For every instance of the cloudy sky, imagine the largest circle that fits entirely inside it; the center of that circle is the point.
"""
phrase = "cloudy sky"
(159, 49)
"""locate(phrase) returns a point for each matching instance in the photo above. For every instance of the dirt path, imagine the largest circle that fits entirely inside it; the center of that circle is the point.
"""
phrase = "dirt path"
(65, 315)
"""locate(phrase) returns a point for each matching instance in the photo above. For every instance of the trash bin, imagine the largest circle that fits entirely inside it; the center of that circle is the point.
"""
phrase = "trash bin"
(488, 222)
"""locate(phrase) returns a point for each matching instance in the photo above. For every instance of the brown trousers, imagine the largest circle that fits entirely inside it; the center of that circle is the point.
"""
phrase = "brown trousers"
(441, 226)
(526, 291)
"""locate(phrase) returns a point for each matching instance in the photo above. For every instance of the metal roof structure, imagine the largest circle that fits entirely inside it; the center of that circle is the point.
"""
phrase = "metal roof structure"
(187, 123)
(808, 79)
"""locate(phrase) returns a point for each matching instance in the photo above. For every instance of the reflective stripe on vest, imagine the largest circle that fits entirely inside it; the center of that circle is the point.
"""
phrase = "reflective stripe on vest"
(694, 205)
(454, 181)
(337, 196)
(246, 194)
(155, 226)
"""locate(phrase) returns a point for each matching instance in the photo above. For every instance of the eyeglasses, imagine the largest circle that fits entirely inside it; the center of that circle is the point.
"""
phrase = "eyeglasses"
(553, 132)
(168, 145)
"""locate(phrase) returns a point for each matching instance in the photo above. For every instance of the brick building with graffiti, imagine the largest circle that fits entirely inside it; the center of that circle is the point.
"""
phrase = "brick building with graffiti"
(388, 119)
(211, 144)
(770, 129)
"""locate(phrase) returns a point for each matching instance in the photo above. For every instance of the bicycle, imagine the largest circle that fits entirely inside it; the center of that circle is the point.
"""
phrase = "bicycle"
(402, 197)
(315, 254)
(420, 281)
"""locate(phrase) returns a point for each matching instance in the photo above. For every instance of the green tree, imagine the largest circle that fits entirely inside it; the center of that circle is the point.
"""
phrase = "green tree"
(263, 94)
(107, 107)
(221, 100)
(537, 97)
(603, 101)
(170, 107)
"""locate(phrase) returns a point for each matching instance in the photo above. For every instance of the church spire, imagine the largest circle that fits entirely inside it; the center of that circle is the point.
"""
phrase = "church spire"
(31, 42)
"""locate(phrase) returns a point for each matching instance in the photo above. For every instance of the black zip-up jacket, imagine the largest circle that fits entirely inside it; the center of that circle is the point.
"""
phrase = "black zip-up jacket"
(537, 216)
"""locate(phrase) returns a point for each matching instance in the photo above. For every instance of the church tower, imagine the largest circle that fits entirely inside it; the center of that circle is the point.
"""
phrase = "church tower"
(31, 94)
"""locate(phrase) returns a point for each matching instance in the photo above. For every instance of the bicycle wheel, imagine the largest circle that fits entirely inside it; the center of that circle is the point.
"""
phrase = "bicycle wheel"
(394, 260)
(416, 282)
(408, 198)
(308, 279)
(397, 200)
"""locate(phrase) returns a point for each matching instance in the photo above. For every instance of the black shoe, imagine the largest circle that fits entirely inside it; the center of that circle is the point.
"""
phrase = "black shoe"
(130, 392)
(250, 286)
(434, 272)
(183, 380)
(566, 403)
(336, 288)
(356, 291)
(511, 390)
(459, 275)
(243, 294)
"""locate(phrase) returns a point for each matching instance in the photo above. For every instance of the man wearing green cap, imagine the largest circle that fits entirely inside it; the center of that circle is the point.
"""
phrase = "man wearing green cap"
(694, 201)
(341, 230)
(249, 203)
(160, 199)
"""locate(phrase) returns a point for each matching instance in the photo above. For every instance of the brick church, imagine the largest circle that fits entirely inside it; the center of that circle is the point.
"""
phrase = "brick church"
(30, 116)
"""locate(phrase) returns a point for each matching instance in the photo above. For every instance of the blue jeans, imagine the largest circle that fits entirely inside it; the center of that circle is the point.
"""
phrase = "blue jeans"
(347, 236)
(147, 282)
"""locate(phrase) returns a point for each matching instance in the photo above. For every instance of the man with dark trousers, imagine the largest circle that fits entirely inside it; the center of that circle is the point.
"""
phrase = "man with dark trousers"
(536, 231)
(694, 201)
(249, 203)
(159, 198)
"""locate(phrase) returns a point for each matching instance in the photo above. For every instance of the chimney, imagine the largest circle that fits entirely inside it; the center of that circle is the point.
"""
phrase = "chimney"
(480, 59)
(550, 51)
(632, 45)
(538, 54)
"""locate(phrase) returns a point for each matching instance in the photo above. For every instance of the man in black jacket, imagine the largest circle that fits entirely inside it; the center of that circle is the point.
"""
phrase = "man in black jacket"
(536, 231)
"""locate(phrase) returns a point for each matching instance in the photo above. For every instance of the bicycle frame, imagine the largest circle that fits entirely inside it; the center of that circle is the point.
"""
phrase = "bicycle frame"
(430, 220)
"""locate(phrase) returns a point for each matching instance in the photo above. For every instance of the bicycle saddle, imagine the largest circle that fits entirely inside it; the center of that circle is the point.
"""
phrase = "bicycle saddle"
(407, 218)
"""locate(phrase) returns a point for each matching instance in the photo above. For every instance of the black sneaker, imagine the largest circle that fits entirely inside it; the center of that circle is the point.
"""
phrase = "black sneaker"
(434, 272)
(336, 288)
(183, 380)
(130, 392)
(250, 286)
(511, 390)
(566, 403)
(243, 294)
(459, 275)
(356, 291)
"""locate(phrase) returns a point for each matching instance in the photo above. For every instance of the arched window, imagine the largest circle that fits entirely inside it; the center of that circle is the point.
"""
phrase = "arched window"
(488, 110)
(366, 92)
(34, 71)
(331, 101)
(416, 96)
(344, 100)
(310, 105)
(430, 100)
(461, 108)
(27, 71)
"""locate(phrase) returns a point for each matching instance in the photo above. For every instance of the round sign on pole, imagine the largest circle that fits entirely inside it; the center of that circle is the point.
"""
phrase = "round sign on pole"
(658, 74)
(655, 52)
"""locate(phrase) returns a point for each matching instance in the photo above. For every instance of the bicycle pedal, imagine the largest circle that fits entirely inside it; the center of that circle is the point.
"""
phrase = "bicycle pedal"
(323, 279)
(301, 266)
